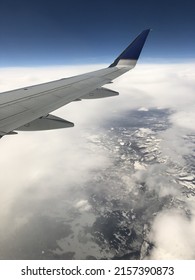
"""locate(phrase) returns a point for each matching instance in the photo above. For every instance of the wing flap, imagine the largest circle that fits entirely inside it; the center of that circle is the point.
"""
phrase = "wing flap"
(100, 93)
(46, 123)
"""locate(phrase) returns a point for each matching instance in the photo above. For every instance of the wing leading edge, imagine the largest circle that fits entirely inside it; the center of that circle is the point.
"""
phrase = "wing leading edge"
(29, 107)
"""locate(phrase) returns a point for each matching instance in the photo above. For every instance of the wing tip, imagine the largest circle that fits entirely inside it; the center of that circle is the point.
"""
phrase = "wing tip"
(131, 54)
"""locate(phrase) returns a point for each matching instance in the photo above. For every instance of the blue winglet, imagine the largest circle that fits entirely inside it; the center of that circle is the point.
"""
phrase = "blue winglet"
(132, 52)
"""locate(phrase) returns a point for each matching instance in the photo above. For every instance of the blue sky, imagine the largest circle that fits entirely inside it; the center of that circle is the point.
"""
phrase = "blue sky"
(45, 32)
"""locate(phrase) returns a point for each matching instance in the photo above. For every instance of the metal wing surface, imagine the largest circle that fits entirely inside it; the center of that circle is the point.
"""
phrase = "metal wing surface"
(23, 106)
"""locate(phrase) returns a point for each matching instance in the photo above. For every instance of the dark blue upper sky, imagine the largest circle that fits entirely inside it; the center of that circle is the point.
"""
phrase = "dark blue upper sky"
(47, 32)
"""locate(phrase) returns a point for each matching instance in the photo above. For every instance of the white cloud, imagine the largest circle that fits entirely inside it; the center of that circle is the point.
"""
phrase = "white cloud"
(83, 205)
(156, 179)
(143, 109)
(39, 166)
(173, 235)
(184, 119)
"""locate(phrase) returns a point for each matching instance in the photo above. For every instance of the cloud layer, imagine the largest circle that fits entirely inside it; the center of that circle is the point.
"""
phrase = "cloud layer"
(37, 168)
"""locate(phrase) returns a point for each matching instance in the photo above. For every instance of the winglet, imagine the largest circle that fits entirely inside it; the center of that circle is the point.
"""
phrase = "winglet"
(129, 57)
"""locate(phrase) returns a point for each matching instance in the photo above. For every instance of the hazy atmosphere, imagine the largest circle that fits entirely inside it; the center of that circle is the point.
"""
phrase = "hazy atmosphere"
(120, 184)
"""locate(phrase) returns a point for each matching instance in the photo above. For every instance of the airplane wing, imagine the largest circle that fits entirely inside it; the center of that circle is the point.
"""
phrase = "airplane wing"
(28, 108)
